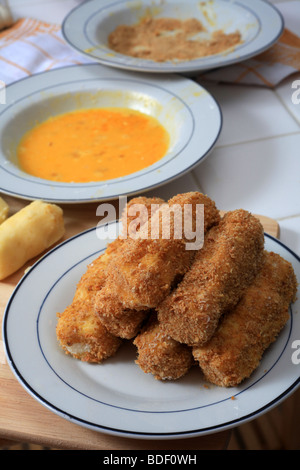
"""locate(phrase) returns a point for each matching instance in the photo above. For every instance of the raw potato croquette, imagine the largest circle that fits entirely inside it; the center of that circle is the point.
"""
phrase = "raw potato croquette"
(27, 234)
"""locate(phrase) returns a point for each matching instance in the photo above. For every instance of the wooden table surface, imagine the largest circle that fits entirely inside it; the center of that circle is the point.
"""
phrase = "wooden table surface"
(23, 419)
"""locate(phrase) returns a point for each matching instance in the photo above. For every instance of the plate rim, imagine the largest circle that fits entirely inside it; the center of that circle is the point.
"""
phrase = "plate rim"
(118, 431)
(178, 68)
(29, 194)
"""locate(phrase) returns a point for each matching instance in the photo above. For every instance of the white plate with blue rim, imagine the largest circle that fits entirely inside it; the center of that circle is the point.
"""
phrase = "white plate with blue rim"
(189, 113)
(87, 27)
(117, 397)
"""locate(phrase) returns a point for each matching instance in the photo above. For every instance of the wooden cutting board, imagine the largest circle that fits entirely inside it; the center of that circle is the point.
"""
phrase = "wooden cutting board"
(23, 419)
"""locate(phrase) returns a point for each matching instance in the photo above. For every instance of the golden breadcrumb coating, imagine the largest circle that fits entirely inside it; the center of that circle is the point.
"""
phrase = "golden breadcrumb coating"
(132, 220)
(160, 355)
(219, 306)
(119, 320)
(146, 269)
(245, 332)
(82, 335)
(226, 265)
(78, 330)
(94, 278)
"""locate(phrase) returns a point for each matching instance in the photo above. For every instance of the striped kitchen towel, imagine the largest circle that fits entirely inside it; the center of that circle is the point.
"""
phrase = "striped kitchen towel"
(30, 46)
(267, 69)
(272, 66)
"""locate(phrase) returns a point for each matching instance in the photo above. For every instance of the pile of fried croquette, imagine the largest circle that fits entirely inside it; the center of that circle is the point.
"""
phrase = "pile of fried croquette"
(217, 307)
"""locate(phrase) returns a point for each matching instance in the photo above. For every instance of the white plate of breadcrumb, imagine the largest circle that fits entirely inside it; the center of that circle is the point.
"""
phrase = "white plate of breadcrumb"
(153, 36)
(116, 396)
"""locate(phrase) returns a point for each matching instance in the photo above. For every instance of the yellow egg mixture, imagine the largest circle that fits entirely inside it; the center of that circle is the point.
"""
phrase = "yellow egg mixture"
(92, 145)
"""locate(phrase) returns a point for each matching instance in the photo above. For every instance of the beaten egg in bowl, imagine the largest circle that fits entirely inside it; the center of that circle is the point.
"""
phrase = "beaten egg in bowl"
(92, 145)
(187, 112)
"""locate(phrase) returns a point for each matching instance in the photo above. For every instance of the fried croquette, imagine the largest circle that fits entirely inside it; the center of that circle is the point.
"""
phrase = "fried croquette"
(245, 332)
(79, 330)
(94, 278)
(226, 265)
(159, 354)
(146, 269)
(119, 320)
(137, 212)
